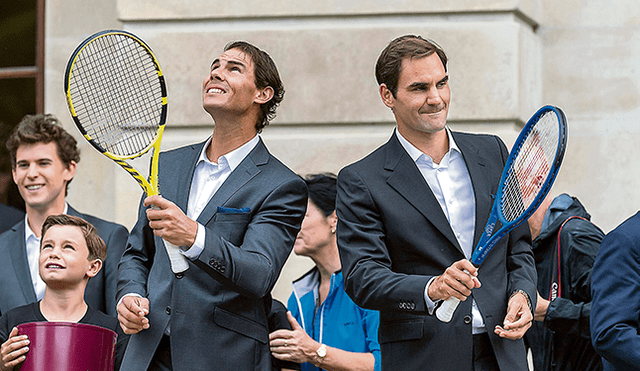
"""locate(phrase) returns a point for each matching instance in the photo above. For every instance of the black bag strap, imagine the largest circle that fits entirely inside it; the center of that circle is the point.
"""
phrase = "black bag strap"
(556, 273)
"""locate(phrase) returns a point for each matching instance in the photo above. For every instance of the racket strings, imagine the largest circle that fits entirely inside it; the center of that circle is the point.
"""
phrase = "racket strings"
(117, 94)
(531, 167)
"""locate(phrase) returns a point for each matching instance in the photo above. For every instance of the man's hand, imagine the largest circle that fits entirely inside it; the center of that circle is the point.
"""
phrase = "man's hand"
(13, 350)
(541, 308)
(169, 222)
(518, 318)
(294, 346)
(458, 280)
(132, 314)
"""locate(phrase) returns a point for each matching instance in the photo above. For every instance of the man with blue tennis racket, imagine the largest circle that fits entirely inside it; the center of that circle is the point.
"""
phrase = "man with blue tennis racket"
(409, 216)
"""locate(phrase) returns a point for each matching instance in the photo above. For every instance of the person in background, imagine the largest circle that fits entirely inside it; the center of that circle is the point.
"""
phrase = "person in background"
(71, 254)
(330, 331)
(44, 158)
(565, 245)
(615, 298)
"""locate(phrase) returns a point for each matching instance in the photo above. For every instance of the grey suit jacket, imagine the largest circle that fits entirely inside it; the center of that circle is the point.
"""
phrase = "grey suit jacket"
(9, 216)
(16, 287)
(394, 237)
(218, 307)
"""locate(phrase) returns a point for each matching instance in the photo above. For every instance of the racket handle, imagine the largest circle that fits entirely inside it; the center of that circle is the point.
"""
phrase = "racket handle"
(445, 312)
(178, 261)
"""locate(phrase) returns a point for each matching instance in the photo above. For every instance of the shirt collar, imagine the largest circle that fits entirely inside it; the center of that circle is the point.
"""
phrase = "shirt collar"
(233, 158)
(415, 153)
(28, 233)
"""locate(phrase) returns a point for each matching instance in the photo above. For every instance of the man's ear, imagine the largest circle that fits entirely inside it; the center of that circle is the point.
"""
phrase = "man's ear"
(387, 97)
(95, 267)
(264, 95)
(70, 171)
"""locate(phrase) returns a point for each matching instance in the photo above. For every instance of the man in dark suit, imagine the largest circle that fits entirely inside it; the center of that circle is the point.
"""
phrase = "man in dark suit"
(234, 210)
(44, 159)
(409, 216)
(615, 302)
(9, 216)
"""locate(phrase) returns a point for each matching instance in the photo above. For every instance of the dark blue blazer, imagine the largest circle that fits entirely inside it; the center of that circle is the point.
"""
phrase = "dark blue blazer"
(16, 287)
(394, 237)
(9, 216)
(217, 308)
(615, 303)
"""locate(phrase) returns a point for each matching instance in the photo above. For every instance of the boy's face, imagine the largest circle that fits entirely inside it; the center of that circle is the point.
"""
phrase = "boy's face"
(64, 257)
(41, 175)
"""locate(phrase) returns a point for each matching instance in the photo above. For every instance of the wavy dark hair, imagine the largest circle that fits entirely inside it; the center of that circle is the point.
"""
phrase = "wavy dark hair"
(389, 64)
(266, 74)
(43, 128)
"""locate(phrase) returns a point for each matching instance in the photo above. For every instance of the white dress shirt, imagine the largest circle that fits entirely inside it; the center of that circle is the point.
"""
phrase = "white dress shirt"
(207, 179)
(32, 244)
(451, 185)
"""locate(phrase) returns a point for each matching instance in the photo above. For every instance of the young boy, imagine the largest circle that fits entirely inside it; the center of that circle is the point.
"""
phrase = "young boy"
(71, 252)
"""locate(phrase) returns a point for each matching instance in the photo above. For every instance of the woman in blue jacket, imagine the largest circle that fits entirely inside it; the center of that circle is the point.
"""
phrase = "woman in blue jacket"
(330, 332)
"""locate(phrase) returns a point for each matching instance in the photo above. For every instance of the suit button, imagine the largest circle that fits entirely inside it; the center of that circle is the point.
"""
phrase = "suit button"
(179, 275)
(467, 319)
(221, 269)
(412, 306)
(212, 262)
(168, 310)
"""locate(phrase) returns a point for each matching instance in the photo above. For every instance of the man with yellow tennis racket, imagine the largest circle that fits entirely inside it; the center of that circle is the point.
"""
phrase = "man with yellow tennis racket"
(234, 210)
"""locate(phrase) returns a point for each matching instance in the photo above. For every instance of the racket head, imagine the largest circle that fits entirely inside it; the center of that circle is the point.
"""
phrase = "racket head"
(116, 94)
(532, 165)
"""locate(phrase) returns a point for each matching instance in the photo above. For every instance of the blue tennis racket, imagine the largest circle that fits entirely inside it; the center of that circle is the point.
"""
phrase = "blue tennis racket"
(528, 175)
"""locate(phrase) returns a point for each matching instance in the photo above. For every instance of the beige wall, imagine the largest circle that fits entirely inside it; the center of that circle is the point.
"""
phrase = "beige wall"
(507, 58)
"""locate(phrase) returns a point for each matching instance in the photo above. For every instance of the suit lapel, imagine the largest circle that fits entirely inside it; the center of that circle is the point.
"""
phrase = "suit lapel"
(476, 165)
(184, 177)
(246, 170)
(407, 180)
(18, 251)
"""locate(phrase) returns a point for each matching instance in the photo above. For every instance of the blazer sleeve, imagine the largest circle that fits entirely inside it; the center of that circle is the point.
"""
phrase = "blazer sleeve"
(366, 262)
(615, 314)
(521, 268)
(116, 243)
(252, 267)
(136, 261)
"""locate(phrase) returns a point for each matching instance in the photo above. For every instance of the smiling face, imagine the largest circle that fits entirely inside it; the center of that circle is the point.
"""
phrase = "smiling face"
(421, 103)
(41, 176)
(64, 257)
(230, 86)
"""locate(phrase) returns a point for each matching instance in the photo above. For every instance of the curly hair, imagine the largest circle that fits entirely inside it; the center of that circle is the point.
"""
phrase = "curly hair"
(43, 128)
(266, 74)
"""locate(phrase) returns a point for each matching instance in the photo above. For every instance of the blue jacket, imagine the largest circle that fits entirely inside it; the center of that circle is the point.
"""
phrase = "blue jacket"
(338, 322)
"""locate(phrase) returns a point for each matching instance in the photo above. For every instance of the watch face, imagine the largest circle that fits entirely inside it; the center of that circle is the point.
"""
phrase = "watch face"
(322, 351)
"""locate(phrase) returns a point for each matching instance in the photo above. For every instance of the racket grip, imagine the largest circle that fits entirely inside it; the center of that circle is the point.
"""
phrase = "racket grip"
(445, 311)
(178, 261)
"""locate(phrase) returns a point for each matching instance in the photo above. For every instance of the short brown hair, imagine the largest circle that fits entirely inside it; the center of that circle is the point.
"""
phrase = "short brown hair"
(43, 128)
(96, 246)
(266, 74)
(389, 64)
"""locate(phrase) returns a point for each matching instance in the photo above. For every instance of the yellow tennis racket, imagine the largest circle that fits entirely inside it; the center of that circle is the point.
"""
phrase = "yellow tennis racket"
(117, 97)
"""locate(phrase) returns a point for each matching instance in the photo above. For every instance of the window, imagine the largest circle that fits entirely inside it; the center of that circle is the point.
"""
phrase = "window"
(21, 77)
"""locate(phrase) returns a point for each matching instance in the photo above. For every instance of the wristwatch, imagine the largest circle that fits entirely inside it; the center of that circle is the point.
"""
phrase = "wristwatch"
(321, 352)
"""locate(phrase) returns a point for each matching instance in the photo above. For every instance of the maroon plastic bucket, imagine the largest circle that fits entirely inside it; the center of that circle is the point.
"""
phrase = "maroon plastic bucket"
(68, 346)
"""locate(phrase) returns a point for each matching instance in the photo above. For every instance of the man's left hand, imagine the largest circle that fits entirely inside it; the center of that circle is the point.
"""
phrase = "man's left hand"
(518, 318)
(169, 222)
